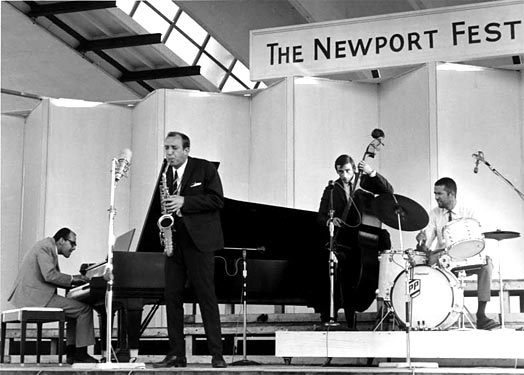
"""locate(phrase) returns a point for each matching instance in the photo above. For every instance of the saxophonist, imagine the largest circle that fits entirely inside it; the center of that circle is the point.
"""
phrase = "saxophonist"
(195, 200)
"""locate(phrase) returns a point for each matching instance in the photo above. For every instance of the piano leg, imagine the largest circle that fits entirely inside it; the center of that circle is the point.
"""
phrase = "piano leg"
(134, 308)
(101, 312)
(122, 352)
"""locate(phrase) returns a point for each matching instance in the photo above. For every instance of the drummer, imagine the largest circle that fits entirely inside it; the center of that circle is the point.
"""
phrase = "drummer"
(431, 239)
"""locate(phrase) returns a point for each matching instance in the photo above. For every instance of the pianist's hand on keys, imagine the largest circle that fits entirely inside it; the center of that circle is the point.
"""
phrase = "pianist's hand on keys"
(79, 280)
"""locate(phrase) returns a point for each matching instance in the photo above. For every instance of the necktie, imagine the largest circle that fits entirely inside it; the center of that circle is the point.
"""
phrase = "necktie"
(449, 215)
(175, 183)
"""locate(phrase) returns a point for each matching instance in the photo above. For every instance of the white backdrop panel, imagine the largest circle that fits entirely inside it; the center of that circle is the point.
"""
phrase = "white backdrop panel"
(34, 177)
(480, 110)
(147, 141)
(12, 148)
(404, 116)
(269, 152)
(219, 128)
(331, 118)
(79, 176)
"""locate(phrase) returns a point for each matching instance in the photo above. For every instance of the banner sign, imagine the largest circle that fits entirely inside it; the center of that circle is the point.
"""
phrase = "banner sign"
(448, 34)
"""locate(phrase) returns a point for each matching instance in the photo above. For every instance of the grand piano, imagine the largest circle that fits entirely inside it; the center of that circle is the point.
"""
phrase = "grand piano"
(287, 267)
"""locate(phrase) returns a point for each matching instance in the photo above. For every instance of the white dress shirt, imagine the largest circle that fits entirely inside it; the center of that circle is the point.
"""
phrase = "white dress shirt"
(438, 218)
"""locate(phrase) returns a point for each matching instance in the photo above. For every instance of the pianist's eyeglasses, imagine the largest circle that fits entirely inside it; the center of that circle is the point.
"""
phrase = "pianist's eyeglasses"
(73, 243)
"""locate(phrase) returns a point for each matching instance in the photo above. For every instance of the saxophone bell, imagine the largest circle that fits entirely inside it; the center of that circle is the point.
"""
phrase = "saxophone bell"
(165, 222)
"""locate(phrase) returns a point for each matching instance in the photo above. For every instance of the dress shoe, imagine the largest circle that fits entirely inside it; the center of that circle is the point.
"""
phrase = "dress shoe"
(113, 359)
(218, 361)
(82, 358)
(171, 361)
(487, 324)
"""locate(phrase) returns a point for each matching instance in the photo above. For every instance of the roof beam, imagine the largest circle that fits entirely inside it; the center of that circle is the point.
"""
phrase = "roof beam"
(38, 10)
(146, 75)
(120, 42)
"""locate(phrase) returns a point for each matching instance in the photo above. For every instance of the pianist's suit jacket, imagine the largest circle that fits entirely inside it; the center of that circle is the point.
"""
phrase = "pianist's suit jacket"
(39, 276)
(203, 198)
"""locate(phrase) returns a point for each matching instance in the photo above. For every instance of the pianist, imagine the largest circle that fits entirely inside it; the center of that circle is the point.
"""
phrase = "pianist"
(39, 277)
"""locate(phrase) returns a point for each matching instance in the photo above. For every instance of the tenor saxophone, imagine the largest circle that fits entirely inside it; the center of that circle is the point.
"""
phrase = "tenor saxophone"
(166, 221)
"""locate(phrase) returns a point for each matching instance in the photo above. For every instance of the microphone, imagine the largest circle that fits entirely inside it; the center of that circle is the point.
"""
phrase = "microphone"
(377, 133)
(478, 157)
(124, 161)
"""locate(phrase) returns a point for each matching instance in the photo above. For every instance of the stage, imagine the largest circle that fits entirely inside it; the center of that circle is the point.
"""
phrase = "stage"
(317, 368)
(301, 345)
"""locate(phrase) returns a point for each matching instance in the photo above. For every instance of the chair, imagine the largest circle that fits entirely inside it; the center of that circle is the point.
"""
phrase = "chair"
(38, 315)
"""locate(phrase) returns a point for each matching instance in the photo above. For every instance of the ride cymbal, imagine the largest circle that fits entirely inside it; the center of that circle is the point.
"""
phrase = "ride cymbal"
(389, 207)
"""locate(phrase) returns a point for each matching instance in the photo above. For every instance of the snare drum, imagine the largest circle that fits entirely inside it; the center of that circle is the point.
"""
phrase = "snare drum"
(437, 299)
(392, 262)
(463, 238)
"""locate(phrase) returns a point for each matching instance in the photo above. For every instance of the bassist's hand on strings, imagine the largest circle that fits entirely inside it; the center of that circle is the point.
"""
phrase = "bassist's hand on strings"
(366, 168)
(336, 222)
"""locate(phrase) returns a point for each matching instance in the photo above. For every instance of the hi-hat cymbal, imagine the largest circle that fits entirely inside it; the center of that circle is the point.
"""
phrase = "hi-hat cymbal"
(388, 207)
(501, 235)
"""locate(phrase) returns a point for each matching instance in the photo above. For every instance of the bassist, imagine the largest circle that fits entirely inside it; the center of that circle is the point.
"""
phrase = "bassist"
(357, 239)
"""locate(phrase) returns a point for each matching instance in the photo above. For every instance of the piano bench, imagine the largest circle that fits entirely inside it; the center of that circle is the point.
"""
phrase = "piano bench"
(38, 315)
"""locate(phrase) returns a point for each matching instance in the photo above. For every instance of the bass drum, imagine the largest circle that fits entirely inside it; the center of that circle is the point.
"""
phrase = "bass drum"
(437, 299)
(392, 262)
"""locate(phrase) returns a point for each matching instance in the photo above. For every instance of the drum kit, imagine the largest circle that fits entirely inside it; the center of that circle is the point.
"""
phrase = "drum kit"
(434, 291)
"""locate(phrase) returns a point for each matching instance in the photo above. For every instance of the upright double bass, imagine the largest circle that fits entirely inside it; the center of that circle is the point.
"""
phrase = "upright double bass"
(363, 238)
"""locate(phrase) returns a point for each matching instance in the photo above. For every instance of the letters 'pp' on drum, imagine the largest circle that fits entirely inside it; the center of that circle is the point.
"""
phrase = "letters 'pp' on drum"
(392, 262)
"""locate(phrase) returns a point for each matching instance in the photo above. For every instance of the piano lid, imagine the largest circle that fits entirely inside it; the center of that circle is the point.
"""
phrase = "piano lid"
(284, 232)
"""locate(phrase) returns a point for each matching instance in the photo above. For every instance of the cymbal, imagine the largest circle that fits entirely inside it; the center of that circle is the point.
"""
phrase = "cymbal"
(501, 235)
(412, 215)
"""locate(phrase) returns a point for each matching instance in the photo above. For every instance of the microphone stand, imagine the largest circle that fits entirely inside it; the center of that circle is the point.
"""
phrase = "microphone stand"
(244, 361)
(109, 277)
(109, 266)
(409, 305)
(498, 174)
(332, 263)
(521, 196)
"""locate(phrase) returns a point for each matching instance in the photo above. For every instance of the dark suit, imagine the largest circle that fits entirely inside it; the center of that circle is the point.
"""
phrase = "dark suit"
(348, 245)
(198, 234)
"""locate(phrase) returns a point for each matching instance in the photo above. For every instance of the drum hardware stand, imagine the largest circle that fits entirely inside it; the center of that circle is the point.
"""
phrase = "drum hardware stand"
(501, 289)
(390, 312)
(409, 305)
(464, 312)
(499, 236)
(244, 361)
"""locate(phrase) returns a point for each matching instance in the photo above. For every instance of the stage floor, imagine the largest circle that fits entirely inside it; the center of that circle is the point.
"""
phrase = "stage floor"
(272, 365)
(201, 369)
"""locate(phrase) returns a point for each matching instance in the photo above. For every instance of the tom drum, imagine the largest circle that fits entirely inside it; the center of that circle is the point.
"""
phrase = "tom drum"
(463, 238)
